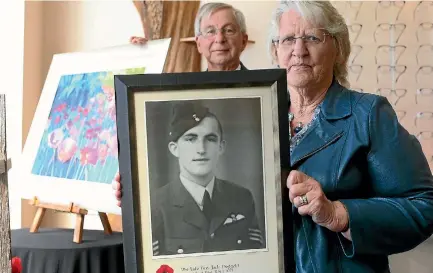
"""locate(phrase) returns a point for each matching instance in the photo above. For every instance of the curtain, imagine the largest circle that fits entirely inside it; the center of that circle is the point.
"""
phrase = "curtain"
(175, 20)
(178, 22)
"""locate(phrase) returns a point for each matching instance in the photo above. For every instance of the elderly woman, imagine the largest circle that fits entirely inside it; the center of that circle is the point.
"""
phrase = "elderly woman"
(361, 186)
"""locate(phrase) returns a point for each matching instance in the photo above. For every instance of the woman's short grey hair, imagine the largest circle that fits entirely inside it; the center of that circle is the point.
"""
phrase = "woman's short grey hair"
(209, 8)
(323, 14)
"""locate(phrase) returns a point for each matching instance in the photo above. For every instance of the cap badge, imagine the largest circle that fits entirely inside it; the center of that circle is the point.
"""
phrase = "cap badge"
(197, 119)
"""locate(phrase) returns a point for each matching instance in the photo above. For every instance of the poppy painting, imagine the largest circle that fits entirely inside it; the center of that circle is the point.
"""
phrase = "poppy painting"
(80, 138)
(71, 150)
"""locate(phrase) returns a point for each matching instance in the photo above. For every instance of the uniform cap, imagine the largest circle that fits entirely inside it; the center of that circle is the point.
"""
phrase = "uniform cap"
(186, 115)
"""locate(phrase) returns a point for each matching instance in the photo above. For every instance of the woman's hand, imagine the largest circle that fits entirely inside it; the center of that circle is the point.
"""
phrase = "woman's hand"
(306, 194)
(117, 189)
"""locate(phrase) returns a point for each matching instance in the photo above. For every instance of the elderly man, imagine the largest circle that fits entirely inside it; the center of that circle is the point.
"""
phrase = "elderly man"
(220, 34)
(221, 37)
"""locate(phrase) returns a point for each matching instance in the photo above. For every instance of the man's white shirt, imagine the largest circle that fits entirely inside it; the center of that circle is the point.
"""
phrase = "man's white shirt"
(197, 191)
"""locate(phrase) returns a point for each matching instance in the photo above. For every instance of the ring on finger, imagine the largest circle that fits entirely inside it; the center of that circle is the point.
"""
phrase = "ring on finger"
(304, 200)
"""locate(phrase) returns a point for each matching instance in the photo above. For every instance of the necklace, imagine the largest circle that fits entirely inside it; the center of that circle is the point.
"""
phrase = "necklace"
(298, 128)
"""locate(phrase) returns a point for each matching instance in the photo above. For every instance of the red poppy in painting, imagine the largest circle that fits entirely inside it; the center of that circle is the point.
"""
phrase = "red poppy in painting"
(16, 265)
(165, 269)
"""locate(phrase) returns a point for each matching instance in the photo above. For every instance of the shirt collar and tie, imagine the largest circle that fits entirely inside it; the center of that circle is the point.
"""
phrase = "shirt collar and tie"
(197, 191)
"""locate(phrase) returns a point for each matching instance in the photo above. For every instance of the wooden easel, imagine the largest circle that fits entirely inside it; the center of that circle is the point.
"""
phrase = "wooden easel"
(71, 208)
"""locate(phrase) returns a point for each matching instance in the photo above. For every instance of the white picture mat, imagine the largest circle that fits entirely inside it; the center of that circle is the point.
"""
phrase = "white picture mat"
(89, 195)
(252, 261)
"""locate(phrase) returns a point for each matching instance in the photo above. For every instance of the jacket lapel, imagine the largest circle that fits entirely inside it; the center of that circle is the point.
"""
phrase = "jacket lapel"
(182, 199)
(221, 207)
(243, 67)
(336, 105)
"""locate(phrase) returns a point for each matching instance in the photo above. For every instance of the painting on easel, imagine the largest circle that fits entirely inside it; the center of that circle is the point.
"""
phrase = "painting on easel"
(70, 155)
(80, 138)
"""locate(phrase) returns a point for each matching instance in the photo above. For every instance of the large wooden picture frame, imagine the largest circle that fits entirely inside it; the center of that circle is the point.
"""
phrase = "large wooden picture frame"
(176, 131)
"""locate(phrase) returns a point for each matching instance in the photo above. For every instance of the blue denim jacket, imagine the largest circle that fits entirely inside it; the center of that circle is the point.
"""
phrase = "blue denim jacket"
(360, 154)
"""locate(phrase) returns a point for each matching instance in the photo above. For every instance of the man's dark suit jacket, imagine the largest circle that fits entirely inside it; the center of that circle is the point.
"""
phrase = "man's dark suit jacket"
(242, 67)
(180, 227)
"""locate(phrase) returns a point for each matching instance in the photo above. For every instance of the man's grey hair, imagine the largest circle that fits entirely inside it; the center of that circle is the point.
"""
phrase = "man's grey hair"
(209, 8)
(324, 15)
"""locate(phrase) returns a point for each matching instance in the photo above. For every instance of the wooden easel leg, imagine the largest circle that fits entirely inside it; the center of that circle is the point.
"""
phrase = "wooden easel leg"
(37, 220)
(78, 232)
(105, 223)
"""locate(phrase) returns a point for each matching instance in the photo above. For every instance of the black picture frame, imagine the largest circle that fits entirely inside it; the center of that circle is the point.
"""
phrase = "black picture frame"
(128, 88)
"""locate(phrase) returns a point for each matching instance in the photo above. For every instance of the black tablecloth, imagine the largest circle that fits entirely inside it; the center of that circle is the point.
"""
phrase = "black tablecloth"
(53, 251)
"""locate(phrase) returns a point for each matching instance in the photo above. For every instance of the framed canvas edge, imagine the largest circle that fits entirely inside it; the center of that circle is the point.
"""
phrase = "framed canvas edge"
(128, 85)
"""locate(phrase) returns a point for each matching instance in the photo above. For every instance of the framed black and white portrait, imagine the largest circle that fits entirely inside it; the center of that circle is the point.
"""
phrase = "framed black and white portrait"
(201, 159)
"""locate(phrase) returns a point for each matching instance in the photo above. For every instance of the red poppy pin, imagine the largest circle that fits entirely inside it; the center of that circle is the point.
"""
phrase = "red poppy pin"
(16, 265)
(165, 269)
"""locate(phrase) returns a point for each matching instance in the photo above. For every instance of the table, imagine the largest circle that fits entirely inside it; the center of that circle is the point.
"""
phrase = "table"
(53, 251)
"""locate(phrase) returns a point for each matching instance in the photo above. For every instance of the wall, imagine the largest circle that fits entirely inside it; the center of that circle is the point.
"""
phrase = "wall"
(33, 80)
(12, 30)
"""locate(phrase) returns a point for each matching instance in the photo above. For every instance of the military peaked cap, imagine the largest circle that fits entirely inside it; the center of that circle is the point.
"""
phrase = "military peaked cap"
(186, 115)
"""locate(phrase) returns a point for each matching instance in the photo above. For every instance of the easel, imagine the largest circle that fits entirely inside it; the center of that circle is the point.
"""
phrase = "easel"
(71, 208)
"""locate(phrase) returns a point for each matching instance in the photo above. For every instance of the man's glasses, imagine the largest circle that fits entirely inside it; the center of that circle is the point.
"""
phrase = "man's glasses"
(211, 32)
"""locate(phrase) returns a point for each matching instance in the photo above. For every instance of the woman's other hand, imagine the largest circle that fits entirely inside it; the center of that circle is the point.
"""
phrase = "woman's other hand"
(306, 194)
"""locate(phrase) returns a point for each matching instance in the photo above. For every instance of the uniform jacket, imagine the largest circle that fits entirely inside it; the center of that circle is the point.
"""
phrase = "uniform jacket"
(362, 156)
(180, 227)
